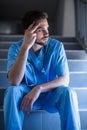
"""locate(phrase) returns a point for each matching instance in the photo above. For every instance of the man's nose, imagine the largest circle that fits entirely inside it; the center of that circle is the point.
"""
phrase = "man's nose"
(46, 32)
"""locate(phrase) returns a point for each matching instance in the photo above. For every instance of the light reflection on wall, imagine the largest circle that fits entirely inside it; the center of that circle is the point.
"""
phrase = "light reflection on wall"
(12, 27)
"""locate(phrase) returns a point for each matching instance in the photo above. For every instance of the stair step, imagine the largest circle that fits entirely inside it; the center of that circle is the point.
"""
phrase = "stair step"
(18, 37)
(76, 79)
(72, 46)
(81, 94)
(83, 118)
(77, 60)
(69, 42)
(10, 37)
(77, 65)
(4, 80)
(74, 65)
(76, 54)
(71, 54)
(82, 100)
(43, 120)
(3, 53)
(67, 45)
(3, 64)
(5, 45)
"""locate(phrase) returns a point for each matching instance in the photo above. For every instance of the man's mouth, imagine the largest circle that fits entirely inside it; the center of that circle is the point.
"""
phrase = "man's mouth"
(45, 38)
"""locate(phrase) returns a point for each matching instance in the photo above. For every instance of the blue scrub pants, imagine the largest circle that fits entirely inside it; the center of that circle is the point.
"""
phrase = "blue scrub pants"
(62, 99)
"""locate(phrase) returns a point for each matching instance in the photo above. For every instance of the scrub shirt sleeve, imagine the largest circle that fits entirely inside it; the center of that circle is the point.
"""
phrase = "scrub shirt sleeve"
(29, 77)
(12, 54)
(61, 62)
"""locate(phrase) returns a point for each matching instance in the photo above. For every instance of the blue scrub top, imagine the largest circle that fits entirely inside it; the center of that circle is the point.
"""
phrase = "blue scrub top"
(50, 63)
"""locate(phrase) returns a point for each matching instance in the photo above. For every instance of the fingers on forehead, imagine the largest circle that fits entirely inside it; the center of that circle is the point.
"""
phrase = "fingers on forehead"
(33, 27)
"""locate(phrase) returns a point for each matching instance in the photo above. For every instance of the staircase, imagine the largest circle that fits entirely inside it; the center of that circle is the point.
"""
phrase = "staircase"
(77, 60)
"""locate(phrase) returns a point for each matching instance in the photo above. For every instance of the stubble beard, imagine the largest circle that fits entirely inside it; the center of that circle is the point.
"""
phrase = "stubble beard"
(41, 43)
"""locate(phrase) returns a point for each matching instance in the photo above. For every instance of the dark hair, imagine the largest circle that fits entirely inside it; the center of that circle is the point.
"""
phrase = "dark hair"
(32, 16)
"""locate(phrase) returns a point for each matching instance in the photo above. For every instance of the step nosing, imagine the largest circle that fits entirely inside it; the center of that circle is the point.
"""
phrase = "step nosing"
(80, 110)
(83, 110)
(80, 88)
(78, 72)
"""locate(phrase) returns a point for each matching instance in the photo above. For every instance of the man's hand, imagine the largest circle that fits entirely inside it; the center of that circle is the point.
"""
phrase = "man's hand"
(29, 99)
(30, 35)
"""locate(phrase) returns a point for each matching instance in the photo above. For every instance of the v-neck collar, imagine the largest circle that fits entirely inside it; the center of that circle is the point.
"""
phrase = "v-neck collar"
(37, 60)
(40, 54)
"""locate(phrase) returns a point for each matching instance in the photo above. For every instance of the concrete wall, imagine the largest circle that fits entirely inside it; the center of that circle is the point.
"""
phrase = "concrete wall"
(69, 18)
(64, 19)
(61, 17)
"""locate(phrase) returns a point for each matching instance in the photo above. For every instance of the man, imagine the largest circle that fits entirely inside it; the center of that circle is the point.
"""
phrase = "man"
(39, 76)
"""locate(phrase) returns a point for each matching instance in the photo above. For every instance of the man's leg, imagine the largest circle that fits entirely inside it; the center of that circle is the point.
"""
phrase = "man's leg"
(68, 109)
(65, 100)
(13, 117)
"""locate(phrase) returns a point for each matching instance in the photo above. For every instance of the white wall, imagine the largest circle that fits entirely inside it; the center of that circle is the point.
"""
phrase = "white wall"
(69, 18)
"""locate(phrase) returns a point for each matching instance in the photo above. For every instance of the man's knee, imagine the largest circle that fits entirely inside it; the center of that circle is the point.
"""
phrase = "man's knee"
(70, 95)
(65, 92)
(11, 90)
(69, 91)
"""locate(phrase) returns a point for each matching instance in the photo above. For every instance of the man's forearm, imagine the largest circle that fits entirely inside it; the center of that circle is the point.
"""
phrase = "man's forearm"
(17, 71)
(61, 81)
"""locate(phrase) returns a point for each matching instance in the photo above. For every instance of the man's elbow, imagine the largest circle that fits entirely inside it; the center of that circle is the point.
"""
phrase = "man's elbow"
(13, 81)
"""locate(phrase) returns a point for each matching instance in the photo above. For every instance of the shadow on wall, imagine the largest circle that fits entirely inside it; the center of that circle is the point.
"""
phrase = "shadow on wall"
(11, 27)
(16, 27)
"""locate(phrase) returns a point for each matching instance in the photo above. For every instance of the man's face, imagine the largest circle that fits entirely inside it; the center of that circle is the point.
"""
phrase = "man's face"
(42, 32)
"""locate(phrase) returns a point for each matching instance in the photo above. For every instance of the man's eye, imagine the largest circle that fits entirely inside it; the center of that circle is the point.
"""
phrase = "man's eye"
(40, 30)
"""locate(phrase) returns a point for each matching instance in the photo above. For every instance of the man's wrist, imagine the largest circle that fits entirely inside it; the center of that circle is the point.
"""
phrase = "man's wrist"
(24, 48)
(40, 88)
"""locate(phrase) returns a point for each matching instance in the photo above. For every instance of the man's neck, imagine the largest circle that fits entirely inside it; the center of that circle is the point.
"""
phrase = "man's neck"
(36, 48)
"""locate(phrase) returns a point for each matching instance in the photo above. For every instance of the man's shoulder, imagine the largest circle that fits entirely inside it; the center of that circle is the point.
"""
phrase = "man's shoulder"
(16, 44)
(54, 42)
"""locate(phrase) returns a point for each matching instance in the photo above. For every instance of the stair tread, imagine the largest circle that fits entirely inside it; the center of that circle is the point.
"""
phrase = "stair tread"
(77, 60)
(71, 54)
